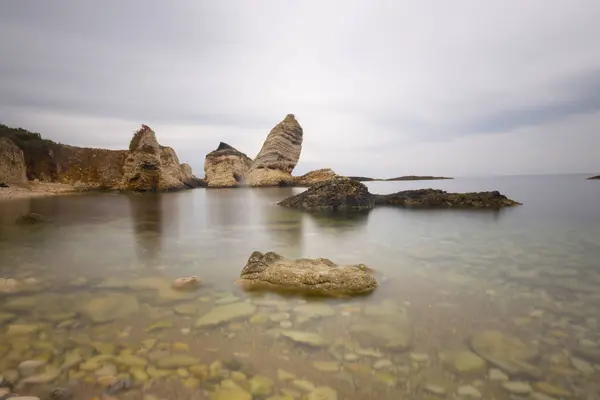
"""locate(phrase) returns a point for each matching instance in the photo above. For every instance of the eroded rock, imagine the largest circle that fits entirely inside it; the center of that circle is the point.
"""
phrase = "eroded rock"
(320, 276)
(13, 168)
(314, 177)
(278, 156)
(341, 193)
(226, 167)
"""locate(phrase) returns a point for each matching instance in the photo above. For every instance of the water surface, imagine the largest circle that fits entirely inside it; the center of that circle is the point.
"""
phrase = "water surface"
(531, 272)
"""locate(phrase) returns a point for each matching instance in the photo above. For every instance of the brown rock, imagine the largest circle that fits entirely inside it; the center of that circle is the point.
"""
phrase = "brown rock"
(335, 194)
(226, 167)
(12, 162)
(319, 276)
(278, 156)
(433, 198)
(341, 193)
(186, 284)
(150, 166)
(316, 176)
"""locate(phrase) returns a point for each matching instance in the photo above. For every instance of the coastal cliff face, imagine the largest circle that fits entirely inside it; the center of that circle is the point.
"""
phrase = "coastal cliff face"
(226, 167)
(12, 162)
(278, 156)
(146, 166)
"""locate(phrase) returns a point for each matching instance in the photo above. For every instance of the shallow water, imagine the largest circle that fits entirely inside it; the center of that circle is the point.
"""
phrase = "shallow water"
(530, 272)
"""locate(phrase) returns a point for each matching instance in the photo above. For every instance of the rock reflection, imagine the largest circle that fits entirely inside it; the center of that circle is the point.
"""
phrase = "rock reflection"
(148, 225)
(340, 221)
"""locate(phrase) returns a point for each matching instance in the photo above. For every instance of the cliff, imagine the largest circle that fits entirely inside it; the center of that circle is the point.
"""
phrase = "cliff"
(278, 156)
(12, 162)
(226, 167)
(48, 161)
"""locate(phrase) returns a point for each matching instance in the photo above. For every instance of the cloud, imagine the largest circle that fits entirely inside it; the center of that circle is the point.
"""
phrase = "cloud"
(371, 83)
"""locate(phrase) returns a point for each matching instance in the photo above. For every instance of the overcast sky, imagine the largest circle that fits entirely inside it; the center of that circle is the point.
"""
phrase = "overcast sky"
(381, 88)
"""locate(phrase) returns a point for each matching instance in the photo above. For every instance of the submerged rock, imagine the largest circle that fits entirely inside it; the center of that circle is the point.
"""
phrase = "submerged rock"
(110, 307)
(305, 338)
(506, 352)
(186, 284)
(226, 313)
(278, 156)
(271, 271)
(31, 219)
(341, 193)
(226, 167)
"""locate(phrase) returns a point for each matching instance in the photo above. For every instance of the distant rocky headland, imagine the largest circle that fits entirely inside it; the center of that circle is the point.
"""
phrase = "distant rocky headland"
(399, 178)
(347, 194)
(146, 166)
(594, 177)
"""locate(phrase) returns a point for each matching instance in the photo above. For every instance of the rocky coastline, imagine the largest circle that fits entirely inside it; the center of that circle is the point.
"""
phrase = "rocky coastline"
(33, 166)
(346, 194)
(594, 177)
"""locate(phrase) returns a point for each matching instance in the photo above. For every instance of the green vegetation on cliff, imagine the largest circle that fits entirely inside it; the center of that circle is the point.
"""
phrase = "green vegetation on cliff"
(24, 138)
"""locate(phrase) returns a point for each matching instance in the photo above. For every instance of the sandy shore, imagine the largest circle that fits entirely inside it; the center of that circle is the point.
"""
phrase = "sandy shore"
(35, 189)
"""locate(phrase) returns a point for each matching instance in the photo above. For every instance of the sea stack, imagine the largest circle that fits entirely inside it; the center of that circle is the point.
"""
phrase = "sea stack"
(278, 156)
(226, 167)
(152, 167)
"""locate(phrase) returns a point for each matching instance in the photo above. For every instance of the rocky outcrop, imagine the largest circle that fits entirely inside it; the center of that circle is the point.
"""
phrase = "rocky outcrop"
(345, 194)
(320, 276)
(226, 167)
(12, 162)
(145, 166)
(595, 177)
(278, 156)
(417, 178)
(314, 177)
(334, 194)
(432, 198)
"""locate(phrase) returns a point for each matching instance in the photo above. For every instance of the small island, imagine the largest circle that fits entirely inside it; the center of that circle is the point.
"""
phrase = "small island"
(398, 178)
(594, 177)
(345, 194)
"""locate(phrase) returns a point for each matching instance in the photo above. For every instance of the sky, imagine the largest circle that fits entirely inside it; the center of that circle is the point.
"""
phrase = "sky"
(381, 88)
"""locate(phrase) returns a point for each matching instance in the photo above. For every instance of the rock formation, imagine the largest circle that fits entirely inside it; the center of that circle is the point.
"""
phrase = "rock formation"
(12, 162)
(335, 194)
(146, 166)
(345, 194)
(278, 156)
(432, 198)
(595, 177)
(226, 167)
(319, 276)
(313, 177)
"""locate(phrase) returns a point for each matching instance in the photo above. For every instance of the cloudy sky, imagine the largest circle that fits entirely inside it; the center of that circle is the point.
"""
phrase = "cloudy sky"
(381, 88)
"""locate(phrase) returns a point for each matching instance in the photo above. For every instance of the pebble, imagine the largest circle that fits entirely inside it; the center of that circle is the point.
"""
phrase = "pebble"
(350, 357)
(582, 366)
(327, 366)
(497, 375)
(419, 357)
(469, 392)
(380, 364)
(435, 389)
(304, 385)
(516, 387)
(30, 367)
(283, 375)
(286, 324)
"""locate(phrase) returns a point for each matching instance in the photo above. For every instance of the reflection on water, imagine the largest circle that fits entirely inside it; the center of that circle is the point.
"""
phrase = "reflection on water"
(493, 305)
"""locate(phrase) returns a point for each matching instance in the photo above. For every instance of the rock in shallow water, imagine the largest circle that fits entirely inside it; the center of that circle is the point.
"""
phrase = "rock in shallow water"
(305, 338)
(226, 313)
(271, 271)
(109, 307)
(506, 352)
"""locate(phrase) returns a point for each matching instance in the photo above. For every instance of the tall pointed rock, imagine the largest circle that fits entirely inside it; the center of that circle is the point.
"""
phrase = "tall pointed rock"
(278, 156)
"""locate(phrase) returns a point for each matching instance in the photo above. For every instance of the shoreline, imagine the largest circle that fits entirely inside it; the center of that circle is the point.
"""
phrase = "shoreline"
(17, 191)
